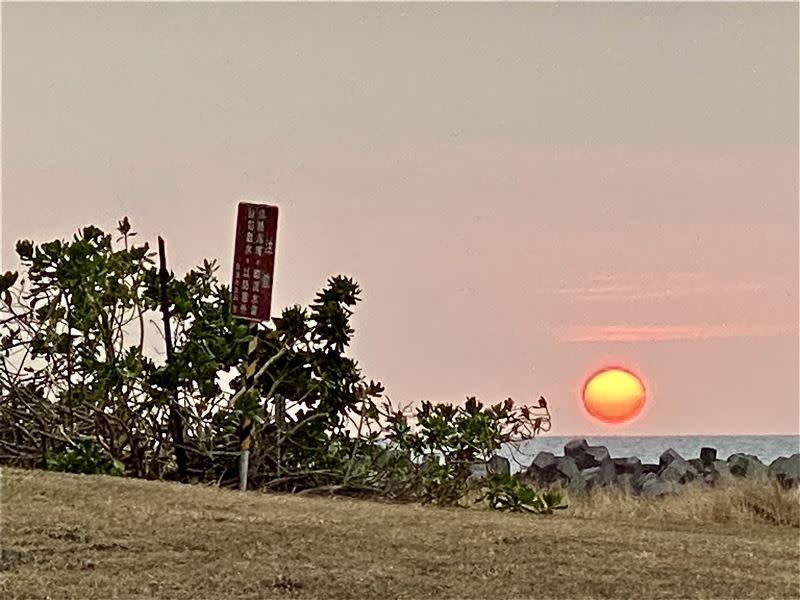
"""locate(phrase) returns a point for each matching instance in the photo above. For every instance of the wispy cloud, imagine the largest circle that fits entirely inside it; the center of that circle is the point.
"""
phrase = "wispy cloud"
(664, 332)
(632, 293)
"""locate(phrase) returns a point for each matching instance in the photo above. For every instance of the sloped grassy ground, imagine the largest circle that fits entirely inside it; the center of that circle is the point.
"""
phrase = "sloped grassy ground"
(88, 537)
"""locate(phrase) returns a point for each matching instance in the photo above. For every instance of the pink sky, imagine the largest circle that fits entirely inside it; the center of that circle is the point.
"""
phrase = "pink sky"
(525, 192)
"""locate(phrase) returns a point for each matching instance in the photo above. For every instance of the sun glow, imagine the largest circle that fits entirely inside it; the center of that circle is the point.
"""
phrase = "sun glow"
(613, 395)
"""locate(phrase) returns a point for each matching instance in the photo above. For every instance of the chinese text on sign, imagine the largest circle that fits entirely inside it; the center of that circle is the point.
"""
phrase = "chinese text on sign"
(254, 261)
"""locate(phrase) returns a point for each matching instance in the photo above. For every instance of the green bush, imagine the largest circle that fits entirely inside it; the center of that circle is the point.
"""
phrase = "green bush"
(73, 366)
(74, 329)
(505, 492)
(86, 457)
(444, 442)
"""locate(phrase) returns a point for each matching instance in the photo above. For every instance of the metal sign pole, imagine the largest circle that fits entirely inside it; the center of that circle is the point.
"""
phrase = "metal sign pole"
(280, 415)
(247, 423)
(251, 298)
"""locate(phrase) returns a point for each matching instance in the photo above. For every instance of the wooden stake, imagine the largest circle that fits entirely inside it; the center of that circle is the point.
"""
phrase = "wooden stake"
(175, 415)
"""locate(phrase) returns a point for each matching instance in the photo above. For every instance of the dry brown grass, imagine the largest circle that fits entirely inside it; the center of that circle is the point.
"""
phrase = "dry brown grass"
(67, 536)
(739, 501)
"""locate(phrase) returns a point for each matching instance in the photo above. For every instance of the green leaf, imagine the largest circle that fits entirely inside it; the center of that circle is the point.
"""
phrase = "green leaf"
(7, 280)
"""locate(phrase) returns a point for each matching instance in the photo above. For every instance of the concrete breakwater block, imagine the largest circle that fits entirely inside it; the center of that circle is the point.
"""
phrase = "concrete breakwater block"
(786, 470)
(584, 468)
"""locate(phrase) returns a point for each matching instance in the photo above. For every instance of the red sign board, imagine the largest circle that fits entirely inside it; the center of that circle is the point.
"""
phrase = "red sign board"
(254, 261)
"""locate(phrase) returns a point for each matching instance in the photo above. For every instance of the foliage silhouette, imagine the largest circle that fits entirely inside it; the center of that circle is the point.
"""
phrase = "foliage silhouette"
(85, 386)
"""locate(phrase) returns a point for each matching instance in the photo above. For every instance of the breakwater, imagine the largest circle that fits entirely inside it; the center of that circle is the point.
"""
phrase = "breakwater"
(584, 467)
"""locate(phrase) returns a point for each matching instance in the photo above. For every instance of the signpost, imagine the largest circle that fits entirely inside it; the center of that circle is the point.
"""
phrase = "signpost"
(251, 294)
(254, 261)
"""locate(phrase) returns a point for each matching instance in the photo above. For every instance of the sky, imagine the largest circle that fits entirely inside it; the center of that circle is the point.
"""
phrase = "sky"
(525, 192)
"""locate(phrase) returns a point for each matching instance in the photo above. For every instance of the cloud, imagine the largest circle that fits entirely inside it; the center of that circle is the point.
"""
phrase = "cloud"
(634, 293)
(664, 332)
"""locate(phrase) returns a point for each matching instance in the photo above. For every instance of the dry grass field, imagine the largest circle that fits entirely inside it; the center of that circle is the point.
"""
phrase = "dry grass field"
(88, 537)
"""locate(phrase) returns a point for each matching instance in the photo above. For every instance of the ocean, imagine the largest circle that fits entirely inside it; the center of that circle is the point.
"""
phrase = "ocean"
(649, 448)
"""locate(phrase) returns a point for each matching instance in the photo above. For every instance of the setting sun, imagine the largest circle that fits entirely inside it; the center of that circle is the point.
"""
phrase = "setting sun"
(613, 395)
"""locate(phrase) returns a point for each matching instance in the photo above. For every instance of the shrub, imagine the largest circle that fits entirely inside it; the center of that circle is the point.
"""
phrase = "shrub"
(505, 492)
(86, 457)
(73, 366)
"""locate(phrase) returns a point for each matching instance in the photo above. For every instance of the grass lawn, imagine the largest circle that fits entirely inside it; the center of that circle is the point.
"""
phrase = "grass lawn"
(89, 537)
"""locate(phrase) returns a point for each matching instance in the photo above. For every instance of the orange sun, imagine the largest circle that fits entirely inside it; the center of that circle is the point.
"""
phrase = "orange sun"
(613, 395)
